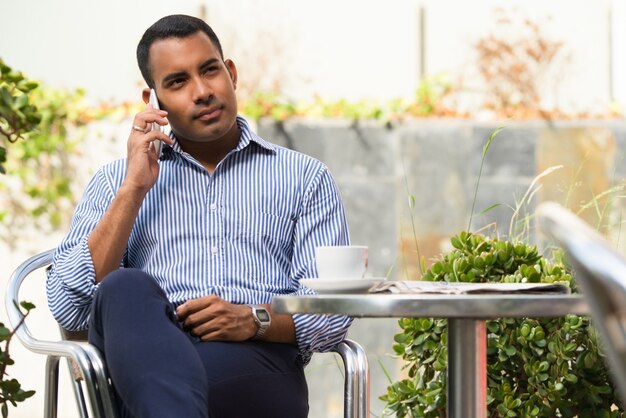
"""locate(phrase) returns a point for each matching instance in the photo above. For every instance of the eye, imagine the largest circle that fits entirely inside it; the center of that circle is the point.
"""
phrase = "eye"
(176, 82)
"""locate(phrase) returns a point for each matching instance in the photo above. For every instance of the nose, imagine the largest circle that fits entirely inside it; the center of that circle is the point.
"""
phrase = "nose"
(202, 90)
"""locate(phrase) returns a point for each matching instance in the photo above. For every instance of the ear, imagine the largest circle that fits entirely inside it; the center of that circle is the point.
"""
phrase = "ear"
(145, 95)
(232, 70)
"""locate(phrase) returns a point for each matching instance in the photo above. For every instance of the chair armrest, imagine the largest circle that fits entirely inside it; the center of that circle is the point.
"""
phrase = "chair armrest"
(85, 356)
(16, 317)
(69, 349)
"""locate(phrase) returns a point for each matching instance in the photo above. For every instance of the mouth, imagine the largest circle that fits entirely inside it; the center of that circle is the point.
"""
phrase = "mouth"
(208, 113)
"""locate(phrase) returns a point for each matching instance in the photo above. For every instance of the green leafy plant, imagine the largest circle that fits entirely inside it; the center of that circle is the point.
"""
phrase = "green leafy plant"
(44, 128)
(18, 115)
(11, 391)
(536, 368)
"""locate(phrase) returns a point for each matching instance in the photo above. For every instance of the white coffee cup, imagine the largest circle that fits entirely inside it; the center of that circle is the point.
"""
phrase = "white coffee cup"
(341, 261)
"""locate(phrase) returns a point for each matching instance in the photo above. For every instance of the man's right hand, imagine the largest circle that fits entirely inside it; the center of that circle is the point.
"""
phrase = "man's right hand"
(143, 167)
(107, 242)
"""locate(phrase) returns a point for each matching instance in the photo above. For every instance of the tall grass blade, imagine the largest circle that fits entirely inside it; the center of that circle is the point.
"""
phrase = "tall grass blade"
(490, 208)
(480, 172)
(411, 206)
(530, 192)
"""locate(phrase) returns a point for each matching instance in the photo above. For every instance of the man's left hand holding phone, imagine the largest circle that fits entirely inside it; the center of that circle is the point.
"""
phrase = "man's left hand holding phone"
(145, 143)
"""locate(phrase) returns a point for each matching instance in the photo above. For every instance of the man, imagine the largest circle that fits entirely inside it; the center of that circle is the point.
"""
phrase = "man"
(173, 260)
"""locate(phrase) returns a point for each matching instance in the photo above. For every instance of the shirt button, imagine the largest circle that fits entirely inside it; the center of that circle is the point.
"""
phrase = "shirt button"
(214, 250)
(213, 207)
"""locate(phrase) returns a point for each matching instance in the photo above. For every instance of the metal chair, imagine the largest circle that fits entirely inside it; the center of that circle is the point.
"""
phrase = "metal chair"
(601, 273)
(91, 382)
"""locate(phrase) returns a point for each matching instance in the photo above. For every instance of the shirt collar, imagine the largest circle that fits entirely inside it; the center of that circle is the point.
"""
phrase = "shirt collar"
(248, 136)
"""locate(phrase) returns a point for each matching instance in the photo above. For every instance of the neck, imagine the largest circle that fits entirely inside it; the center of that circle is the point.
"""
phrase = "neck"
(209, 154)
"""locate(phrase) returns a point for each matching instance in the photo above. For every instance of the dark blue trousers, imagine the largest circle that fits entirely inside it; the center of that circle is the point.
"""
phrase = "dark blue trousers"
(159, 370)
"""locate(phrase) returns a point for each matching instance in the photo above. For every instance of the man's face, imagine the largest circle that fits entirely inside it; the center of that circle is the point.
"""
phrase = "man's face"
(195, 86)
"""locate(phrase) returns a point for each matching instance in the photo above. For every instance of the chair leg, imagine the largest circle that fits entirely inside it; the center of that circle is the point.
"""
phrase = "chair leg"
(102, 383)
(51, 393)
(79, 395)
(356, 385)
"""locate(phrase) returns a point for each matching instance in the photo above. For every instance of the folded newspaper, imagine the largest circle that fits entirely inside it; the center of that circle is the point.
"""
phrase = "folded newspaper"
(459, 288)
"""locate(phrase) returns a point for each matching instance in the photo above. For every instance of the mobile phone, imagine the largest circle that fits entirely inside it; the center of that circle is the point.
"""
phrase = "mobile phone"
(155, 126)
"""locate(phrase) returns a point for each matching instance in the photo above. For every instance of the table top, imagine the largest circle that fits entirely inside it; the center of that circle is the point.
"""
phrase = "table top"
(470, 306)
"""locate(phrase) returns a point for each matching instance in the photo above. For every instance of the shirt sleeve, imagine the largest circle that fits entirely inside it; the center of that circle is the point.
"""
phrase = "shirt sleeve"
(322, 221)
(71, 280)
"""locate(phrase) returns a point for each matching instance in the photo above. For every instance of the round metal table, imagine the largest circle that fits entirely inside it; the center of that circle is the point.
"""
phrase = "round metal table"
(467, 337)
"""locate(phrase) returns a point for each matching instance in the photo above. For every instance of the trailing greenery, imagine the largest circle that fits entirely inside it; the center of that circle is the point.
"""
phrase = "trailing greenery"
(428, 101)
(44, 128)
(11, 391)
(536, 368)
(18, 115)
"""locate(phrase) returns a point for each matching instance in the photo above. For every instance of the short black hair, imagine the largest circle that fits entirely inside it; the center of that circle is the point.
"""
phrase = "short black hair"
(173, 26)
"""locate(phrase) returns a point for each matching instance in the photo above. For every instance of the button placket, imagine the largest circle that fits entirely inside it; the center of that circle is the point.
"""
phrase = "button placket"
(213, 221)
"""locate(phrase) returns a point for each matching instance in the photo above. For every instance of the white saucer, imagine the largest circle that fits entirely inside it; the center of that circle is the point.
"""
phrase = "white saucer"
(342, 285)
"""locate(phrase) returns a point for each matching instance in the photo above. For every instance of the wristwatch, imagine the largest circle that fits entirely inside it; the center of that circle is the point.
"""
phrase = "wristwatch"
(262, 318)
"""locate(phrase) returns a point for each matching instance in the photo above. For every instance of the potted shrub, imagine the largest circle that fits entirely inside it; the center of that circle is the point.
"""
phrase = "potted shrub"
(536, 367)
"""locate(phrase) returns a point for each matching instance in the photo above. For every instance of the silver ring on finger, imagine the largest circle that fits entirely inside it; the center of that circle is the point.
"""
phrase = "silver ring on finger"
(139, 128)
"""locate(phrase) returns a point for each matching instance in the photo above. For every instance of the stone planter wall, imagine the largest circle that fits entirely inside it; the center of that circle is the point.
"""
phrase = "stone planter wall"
(435, 164)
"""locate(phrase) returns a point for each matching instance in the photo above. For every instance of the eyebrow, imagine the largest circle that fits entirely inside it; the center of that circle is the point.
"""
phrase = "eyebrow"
(179, 74)
(209, 62)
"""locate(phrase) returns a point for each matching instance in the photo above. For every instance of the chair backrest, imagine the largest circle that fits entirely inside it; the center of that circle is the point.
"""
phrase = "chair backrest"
(600, 271)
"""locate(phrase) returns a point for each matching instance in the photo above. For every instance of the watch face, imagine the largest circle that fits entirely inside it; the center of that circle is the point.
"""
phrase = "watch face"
(262, 315)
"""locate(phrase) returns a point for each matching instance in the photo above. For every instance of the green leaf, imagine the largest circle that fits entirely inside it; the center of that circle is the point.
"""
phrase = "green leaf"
(490, 208)
(510, 351)
(27, 305)
(11, 386)
(493, 327)
(491, 138)
(4, 332)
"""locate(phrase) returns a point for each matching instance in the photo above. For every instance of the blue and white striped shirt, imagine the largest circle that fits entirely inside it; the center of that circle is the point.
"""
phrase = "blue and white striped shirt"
(246, 233)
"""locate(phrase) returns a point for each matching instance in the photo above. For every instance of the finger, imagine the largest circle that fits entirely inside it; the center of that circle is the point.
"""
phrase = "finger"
(194, 305)
(141, 143)
(138, 128)
(203, 317)
(143, 120)
(143, 126)
(149, 107)
(222, 334)
(204, 330)
(189, 308)
(154, 135)
(144, 140)
(213, 336)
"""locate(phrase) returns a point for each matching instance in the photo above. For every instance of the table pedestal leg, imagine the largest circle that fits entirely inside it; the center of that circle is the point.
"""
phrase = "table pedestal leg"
(467, 368)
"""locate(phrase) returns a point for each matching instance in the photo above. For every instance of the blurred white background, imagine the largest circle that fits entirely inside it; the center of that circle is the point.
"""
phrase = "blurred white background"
(351, 49)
